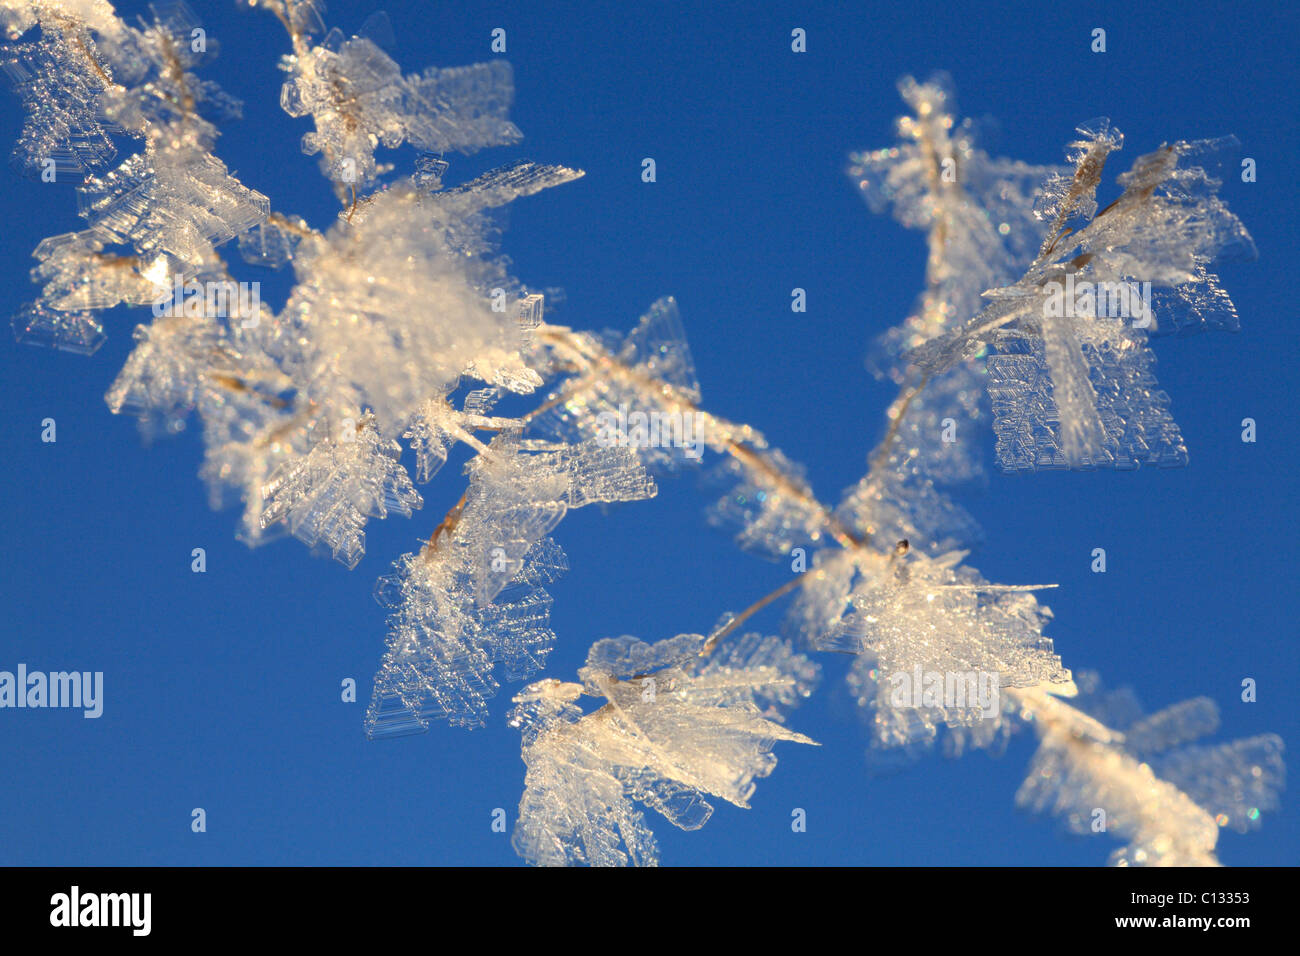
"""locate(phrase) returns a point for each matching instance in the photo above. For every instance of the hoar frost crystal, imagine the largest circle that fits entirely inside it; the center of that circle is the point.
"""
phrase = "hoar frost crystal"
(404, 330)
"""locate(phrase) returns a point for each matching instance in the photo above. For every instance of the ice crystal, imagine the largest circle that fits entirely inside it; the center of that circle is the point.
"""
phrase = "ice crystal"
(474, 597)
(38, 324)
(78, 274)
(164, 371)
(920, 617)
(979, 207)
(175, 200)
(437, 425)
(640, 391)
(496, 187)
(1116, 414)
(272, 243)
(666, 740)
(649, 371)
(90, 74)
(773, 507)
(359, 99)
(522, 489)
(1066, 196)
(19, 16)
(327, 495)
(1165, 798)
(443, 646)
(900, 501)
(249, 435)
(154, 89)
(60, 83)
(393, 284)
(978, 212)
(429, 170)
(1072, 382)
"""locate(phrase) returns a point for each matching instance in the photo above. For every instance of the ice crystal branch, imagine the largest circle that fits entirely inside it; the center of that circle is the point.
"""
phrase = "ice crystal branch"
(1072, 383)
(404, 330)
(675, 728)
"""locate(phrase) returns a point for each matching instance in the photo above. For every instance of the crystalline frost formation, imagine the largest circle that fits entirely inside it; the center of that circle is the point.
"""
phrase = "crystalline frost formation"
(1145, 781)
(474, 597)
(674, 730)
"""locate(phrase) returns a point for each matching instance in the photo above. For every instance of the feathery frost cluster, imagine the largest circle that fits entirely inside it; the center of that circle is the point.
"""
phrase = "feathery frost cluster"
(404, 329)
(674, 728)
(1165, 798)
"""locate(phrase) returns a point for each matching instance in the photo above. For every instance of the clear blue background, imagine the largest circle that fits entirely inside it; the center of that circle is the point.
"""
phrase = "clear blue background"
(223, 688)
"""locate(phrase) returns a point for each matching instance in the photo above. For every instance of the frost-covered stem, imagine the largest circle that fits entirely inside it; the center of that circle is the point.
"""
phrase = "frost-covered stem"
(897, 411)
(446, 526)
(288, 225)
(750, 611)
(836, 528)
(343, 100)
(75, 33)
(280, 10)
(937, 238)
(597, 360)
(1087, 174)
(176, 73)
(1053, 713)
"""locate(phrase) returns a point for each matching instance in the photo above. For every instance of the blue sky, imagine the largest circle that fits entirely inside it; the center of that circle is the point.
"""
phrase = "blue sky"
(222, 689)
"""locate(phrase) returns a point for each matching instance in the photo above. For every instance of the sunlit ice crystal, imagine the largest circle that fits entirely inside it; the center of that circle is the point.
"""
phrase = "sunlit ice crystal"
(249, 431)
(520, 491)
(271, 244)
(65, 135)
(1103, 407)
(78, 274)
(978, 209)
(938, 645)
(444, 643)
(899, 498)
(1162, 826)
(513, 362)
(1236, 781)
(473, 598)
(165, 368)
(1072, 383)
(437, 425)
(497, 187)
(1067, 195)
(666, 740)
(773, 507)
(637, 391)
(359, 99)
(429, 170)
(155, 94)
(377, 292)
(327, 495)
(39, 324)
(1164, 795)
(179, 201)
